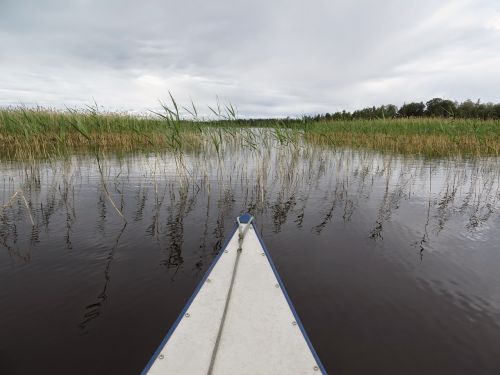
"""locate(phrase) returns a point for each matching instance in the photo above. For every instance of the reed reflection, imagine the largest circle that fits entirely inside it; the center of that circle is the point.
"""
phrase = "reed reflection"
(170, 201)
(310, 188)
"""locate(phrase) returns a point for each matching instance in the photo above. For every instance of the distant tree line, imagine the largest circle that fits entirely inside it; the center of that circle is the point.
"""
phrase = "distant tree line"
(436, 107)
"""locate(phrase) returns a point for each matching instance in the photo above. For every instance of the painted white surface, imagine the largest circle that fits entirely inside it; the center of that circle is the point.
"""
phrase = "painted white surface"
(259, 335)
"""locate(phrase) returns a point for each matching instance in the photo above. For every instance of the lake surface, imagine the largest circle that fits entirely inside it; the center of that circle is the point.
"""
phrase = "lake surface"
(393, 263)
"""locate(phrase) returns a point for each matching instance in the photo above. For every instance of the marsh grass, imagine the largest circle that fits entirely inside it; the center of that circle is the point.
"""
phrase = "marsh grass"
(433, 137)
(31, 133)
(35, 132)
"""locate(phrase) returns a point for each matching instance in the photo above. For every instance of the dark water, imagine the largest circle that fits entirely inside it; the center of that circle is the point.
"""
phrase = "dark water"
(393, 263)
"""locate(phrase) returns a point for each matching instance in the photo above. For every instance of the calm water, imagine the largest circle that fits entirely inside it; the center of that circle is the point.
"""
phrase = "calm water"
(393, 263)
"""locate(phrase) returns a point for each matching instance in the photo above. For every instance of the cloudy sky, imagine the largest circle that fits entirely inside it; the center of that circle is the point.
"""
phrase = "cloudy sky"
(269, 58)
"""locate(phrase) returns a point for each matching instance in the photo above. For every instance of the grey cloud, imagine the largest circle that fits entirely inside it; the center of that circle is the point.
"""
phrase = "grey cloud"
(270, 58)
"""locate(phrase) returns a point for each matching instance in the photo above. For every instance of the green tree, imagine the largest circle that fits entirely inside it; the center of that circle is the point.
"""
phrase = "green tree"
(412, 110)
(438, 107)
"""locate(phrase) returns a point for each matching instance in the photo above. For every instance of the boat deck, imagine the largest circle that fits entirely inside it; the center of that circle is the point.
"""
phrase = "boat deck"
(247, 328)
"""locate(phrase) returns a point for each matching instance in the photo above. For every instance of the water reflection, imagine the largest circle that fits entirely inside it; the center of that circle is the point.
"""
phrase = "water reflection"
(92, 311)
(288, 185)
(176, 212)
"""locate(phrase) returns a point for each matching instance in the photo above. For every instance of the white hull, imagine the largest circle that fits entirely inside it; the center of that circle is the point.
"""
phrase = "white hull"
(255, 332)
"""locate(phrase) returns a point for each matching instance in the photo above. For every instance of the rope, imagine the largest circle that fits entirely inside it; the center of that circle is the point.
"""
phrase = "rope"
(241, 237)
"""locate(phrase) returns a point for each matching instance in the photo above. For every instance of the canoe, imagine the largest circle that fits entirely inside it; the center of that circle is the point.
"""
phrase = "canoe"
(239, 320)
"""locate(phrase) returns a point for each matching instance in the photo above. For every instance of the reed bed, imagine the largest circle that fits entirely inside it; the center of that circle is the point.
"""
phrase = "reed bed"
(32, 133)
(38, 133)
(435, 137)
